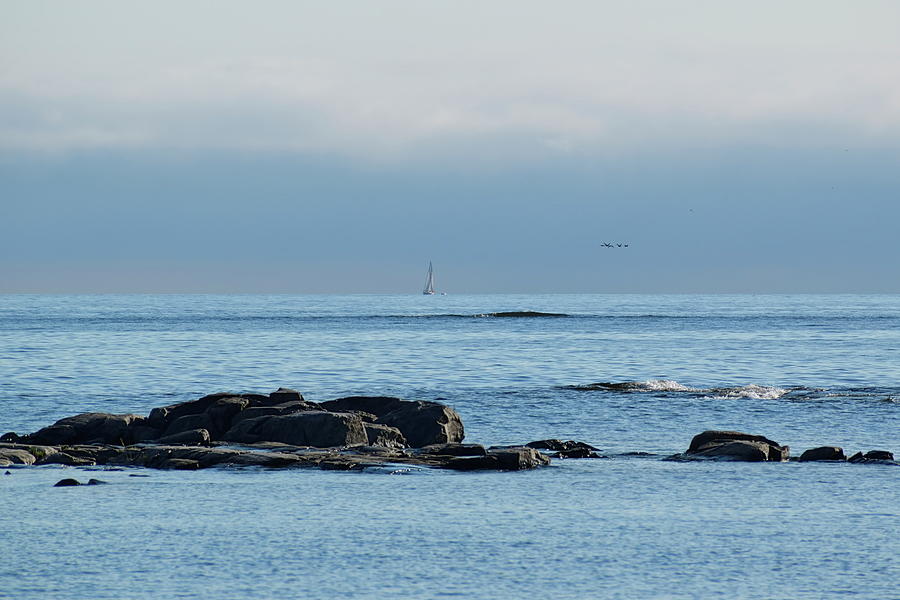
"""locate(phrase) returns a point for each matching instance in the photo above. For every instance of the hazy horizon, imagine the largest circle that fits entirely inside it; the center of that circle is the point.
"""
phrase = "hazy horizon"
(294, 147)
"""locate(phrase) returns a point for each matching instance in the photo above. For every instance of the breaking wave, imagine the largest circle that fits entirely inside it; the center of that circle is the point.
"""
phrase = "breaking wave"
(669, 386)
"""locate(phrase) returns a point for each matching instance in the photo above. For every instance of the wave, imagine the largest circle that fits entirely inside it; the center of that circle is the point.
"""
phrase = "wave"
(669, 386)
(522, 314)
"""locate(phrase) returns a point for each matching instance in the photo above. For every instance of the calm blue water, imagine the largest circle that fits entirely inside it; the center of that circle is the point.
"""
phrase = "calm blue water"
(803, 370)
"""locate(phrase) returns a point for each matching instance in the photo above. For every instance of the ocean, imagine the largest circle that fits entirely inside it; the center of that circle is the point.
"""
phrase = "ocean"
(637, 376)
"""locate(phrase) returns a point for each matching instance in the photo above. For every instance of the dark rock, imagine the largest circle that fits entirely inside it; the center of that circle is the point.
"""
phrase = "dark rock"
(161, 416)
(309, 428)
(285, 408)
(425, 423)
(382, 435)
(97, 454)
(736, 446)
(179, 464)
(872, 456)
(11, 437)
(455, 450)
(100, 428)
(193, 437)
(188, 423)
(505, 459)
(878, 455)
(66, 483)
(63, 458)
(744, 450)
(272, 460)
(96, 482)
(220, 413)
(282, 395)
(144, 433)
(376, 405)
(823, 453)
(560, 446)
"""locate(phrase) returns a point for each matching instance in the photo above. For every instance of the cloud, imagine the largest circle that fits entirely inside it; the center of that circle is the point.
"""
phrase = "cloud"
(390, 83)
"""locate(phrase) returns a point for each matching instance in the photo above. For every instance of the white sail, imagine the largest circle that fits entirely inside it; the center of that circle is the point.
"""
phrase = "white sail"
(429, 281)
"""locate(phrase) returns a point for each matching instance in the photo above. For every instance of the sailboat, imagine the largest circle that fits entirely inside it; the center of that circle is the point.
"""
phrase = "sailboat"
(429, 281)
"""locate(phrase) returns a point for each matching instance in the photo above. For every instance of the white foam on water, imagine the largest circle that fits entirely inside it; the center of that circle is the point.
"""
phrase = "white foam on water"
(664, 385)
(752, 391)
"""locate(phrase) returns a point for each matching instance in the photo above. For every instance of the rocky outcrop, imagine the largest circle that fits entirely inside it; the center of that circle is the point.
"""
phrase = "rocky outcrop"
(734, 445)
(282, 416)
(833, 453)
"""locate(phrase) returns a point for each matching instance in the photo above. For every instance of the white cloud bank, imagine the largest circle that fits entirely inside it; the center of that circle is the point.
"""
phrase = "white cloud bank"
(391, 79)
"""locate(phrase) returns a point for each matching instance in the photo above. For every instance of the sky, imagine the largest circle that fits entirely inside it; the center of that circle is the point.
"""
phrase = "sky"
(337, 147)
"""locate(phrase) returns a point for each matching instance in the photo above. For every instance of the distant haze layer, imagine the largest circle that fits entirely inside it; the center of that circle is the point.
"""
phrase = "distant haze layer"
(329, 147)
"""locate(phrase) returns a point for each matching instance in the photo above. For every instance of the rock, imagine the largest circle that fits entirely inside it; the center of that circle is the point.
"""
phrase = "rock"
(102, 428)
(577, 452)
(743, 450)
(285, 408)
(560, 446)
(63, 458)
(382, 435)
(879, 455)
(10, 437)
(221, 412)
(872, 456)
(455, 450)
(282, 395)
(503, 459)
(823, 453)
(161, 416)
(96, 482)
(422, 423)
(179, 464)
(309, 428)
(193, 437)
(272, 460)
(67, 483)
(376, 405)
(144, 433)
(16, 456)
(187, 423)
(735, 445)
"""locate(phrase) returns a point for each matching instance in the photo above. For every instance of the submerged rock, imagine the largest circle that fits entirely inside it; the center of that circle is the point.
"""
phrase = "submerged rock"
(68, 482)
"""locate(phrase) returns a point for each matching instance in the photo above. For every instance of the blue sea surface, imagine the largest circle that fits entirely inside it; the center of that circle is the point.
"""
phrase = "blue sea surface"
(636, 376)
